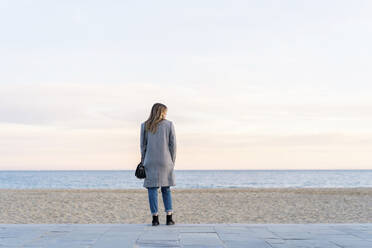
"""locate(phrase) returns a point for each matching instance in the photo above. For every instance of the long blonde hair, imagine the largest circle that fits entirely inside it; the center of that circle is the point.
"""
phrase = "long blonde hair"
(157, 115)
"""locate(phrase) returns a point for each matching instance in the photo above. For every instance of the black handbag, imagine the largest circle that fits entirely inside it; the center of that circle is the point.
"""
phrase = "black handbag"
(140, 171)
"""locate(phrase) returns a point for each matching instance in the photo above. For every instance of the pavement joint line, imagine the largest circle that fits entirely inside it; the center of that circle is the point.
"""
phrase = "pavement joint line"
(218, 235)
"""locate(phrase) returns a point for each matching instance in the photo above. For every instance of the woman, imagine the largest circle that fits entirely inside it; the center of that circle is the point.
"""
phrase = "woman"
(158, 154)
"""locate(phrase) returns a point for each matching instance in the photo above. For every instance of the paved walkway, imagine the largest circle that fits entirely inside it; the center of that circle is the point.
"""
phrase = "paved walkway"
(186, 235)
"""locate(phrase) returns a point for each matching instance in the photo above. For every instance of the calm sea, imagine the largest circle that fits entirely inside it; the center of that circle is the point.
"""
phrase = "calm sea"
(125, 179)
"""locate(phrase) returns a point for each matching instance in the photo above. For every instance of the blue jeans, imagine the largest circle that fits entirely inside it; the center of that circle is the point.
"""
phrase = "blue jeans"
(153, 198)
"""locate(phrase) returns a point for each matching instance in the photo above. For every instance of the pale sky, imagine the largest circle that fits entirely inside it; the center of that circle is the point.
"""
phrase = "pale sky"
(248, 84)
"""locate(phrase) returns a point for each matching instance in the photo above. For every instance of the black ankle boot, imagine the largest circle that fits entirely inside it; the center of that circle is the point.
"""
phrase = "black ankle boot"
(169, 219)
(155, 220)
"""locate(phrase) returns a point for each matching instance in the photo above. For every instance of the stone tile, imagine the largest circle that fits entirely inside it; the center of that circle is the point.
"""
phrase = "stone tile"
(305, 244)
(256, 243)
(205, 239)
(275, 241)
(157, 243)
(203, 246)
(362, 234)
(352, 243)
(235, 236)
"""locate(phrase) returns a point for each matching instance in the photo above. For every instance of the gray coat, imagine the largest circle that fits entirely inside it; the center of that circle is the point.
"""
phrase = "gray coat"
(158, 153)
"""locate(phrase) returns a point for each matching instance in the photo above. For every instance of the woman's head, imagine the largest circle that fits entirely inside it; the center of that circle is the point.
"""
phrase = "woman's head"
(158, 113)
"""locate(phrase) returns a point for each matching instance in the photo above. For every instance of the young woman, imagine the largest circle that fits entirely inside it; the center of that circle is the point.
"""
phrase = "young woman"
(158, 154)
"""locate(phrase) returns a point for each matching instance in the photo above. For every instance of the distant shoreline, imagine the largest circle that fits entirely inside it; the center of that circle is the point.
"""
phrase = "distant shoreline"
(219, 170)
(196, 179)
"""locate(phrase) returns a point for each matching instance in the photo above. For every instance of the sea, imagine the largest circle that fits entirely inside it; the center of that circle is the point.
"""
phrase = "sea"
(190, 179)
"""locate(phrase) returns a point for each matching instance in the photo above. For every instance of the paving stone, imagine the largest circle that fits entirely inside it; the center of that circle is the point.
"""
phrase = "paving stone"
(352, 242)
(206, 239)
(305, 244)
(203, 246)
(253, 242)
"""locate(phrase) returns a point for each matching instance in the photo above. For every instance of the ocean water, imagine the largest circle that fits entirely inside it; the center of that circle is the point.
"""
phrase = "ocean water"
(125, 179)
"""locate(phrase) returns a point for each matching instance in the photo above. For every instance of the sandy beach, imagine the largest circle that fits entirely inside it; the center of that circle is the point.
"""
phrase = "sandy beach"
(239, 205)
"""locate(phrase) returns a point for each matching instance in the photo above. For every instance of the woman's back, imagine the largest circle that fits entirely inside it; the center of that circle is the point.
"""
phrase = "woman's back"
(158, 151)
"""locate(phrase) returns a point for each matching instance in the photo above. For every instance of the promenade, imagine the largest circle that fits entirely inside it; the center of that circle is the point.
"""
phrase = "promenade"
(186, 235)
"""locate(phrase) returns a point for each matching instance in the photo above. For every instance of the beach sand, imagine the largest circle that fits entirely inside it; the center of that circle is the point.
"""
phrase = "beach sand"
(238, 205)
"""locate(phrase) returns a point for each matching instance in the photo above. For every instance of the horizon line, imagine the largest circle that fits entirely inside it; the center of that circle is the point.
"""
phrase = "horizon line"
(204, 170)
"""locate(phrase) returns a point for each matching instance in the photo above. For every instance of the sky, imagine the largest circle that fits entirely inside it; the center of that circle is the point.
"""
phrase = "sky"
(248, 84)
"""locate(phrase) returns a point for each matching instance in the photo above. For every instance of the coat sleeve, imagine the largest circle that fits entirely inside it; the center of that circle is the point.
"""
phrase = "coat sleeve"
(143, 142)
(172, 143)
